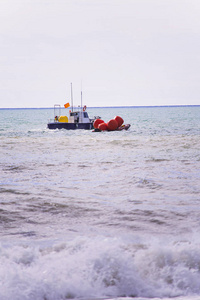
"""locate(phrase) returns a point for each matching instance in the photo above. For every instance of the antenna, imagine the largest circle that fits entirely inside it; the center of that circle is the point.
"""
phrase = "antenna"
(81, 107)
(81, 96)
(71, 96)
(81, 100)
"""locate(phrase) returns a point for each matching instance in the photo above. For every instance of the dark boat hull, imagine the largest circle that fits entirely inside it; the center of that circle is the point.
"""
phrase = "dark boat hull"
(70, 126)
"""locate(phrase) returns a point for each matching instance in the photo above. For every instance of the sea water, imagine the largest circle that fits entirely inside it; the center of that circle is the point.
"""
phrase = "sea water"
(87, 215)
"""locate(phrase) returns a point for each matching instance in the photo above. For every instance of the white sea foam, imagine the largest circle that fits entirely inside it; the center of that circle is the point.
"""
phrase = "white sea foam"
(99, 268)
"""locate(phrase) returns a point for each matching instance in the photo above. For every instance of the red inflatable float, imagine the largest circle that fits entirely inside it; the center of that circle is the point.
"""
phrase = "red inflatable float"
(112, 125)
(103, 126)
(97, 122)
(119, 120)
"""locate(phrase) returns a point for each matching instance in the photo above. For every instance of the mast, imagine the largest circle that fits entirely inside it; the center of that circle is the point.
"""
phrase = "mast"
(81, 100)
(81, 97)
(71, 96)
(81, 106)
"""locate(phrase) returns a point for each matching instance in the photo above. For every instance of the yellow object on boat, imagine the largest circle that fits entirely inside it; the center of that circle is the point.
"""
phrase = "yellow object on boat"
(63, 119)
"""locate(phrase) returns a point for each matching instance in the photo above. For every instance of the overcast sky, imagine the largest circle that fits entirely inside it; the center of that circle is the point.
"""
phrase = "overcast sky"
(121, 52)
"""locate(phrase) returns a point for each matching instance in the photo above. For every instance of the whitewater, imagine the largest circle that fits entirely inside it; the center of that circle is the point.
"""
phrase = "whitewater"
(100, 215)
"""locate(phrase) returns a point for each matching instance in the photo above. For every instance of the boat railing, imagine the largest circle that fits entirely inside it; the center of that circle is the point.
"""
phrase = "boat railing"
(53, 121)
(94, 118)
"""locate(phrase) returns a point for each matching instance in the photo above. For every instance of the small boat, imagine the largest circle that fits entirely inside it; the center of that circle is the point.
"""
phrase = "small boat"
(78, 119)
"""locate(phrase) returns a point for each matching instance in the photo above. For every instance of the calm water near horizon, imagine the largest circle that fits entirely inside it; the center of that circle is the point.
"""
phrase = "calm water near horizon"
(108, 215)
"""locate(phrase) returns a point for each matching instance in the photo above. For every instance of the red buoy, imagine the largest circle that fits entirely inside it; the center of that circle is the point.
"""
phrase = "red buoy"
(97, 122)
(112, 125)
(119, 120)
(103, 126)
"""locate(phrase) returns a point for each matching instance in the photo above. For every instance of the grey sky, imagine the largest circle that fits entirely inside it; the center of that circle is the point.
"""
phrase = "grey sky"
(127, 52)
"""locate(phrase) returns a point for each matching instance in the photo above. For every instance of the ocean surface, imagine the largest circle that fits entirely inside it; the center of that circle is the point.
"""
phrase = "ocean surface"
(87, 215)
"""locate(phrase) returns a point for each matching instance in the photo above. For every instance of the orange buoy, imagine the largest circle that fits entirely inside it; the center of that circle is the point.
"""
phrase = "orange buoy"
(97, 122)
(112, 125)
(103, 126)
(119, 120)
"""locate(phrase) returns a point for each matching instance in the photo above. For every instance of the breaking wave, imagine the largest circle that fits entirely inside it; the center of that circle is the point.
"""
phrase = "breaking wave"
(98, 268)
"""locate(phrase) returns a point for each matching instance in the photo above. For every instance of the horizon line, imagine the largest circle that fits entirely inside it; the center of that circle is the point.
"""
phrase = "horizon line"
(124, 106)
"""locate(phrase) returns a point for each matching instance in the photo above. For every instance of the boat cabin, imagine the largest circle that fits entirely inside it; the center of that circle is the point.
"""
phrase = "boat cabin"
(78, 117)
